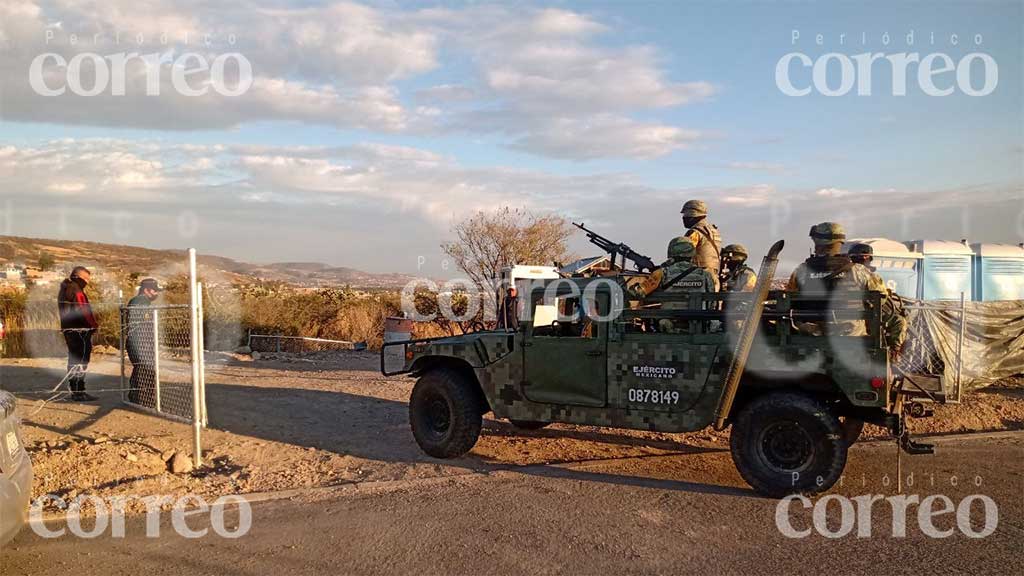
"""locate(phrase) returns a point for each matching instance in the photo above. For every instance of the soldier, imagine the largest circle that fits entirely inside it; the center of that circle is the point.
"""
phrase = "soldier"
(828, 270)
(704, 235)
(736, 276)
(863, 254)
(894, 314)
(678, 274)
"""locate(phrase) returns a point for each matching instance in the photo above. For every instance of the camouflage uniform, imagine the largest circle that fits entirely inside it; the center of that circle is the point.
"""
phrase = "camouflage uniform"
(827, 272)
(704, 236)
(894, 315)
(740, 277)
(677, 274)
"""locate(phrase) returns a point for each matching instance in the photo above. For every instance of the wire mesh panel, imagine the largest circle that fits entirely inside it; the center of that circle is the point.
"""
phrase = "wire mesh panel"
(266, 343)
(157, 358)
(920, 354)
(923, 356)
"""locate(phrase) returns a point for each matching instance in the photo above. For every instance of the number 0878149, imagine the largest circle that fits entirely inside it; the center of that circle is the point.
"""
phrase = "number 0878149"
(648, 396)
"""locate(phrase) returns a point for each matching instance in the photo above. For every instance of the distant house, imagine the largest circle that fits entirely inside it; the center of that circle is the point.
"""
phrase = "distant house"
(583, 266)
(38, 277)
(12, 276)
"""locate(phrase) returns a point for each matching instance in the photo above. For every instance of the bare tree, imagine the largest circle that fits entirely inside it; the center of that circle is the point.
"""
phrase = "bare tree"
(488, 241)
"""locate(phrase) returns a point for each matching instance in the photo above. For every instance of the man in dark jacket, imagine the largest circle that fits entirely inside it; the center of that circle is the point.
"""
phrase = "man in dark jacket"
(77, 324)
(140, 343)
(508, 318)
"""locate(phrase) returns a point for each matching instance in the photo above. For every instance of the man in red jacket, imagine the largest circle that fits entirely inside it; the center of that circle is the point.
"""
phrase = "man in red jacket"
(78, 324)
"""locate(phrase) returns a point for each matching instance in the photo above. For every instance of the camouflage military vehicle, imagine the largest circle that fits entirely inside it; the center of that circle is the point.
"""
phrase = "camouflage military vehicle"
(583, 355)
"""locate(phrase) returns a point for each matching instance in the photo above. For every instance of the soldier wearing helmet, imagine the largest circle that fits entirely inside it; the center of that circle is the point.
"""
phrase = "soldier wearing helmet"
(677, 274)
(736, 276)
(828, 271)
(894, 314)
(704, 236)
(862, 254)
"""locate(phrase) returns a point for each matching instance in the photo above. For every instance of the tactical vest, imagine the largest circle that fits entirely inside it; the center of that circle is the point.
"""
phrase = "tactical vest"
(734, 277)
(697, 280)
(709, 248)
(823, 274)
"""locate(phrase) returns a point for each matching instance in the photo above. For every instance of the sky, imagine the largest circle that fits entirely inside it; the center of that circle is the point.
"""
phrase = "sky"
(369, 128)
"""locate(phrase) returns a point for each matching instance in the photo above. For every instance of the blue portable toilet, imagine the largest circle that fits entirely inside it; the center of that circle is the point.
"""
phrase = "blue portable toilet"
(946, 269)
(894, 262)
(998, 272)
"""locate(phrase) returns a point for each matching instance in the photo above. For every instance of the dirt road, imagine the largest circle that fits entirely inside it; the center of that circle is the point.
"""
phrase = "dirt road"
(325, 421)
(642, 515)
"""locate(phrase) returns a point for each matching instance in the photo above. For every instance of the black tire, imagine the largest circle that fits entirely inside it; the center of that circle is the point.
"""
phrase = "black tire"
(528, 424)
(787, 443)
(445, 414)
(852, 427)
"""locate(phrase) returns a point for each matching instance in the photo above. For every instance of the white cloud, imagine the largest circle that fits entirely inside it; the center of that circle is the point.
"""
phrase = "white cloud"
(832, 192)
(316, 199)
(330, 65)
(773, 167)
(555, 22)
(383, 177)
(752, 196)
(101, 169)
(604, 136)
(548, 80)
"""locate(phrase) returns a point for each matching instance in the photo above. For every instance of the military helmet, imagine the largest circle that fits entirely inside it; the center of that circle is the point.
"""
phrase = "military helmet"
(735, 252)
(827, 233)
(680, 248)
(694, 209)
(862, 249)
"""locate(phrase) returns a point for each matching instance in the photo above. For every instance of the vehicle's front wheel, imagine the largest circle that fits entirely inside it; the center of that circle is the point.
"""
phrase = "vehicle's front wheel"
(785, 443)
(445, 415)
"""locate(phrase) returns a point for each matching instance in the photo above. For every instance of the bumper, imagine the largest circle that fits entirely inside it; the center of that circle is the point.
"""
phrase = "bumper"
(15, 495)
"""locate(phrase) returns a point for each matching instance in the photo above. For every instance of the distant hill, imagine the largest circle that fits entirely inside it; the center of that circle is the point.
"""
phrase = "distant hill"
(130, 259)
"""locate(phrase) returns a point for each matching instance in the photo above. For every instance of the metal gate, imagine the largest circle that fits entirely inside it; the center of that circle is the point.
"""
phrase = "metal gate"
(162, 365)
(922, 356)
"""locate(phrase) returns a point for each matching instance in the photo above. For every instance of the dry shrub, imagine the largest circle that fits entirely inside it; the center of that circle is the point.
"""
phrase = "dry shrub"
(33, 325)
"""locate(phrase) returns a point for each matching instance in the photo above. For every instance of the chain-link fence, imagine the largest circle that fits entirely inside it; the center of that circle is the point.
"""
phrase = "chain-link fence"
(271, 344)
(923, 359)
(160, 347)
(156, 364)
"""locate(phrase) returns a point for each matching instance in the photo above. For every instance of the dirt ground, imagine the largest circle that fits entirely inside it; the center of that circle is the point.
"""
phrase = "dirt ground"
(282, 423)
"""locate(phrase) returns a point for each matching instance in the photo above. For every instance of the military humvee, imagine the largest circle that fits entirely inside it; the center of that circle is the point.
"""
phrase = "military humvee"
(582, 355)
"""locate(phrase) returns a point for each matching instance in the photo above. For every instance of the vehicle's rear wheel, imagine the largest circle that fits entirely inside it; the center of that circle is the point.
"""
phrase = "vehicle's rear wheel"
(445, 415)
(785, 443)
(528, 424)
(852, 428)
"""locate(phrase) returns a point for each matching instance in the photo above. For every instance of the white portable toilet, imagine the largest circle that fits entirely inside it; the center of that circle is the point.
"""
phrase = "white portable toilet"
(946, 270)
(897, 264)
(998, 272)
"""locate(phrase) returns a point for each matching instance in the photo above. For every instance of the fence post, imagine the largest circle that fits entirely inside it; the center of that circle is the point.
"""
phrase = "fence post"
(197, 454)
(202, 356)
(156, 358)
(960, 347)
(122, 320)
